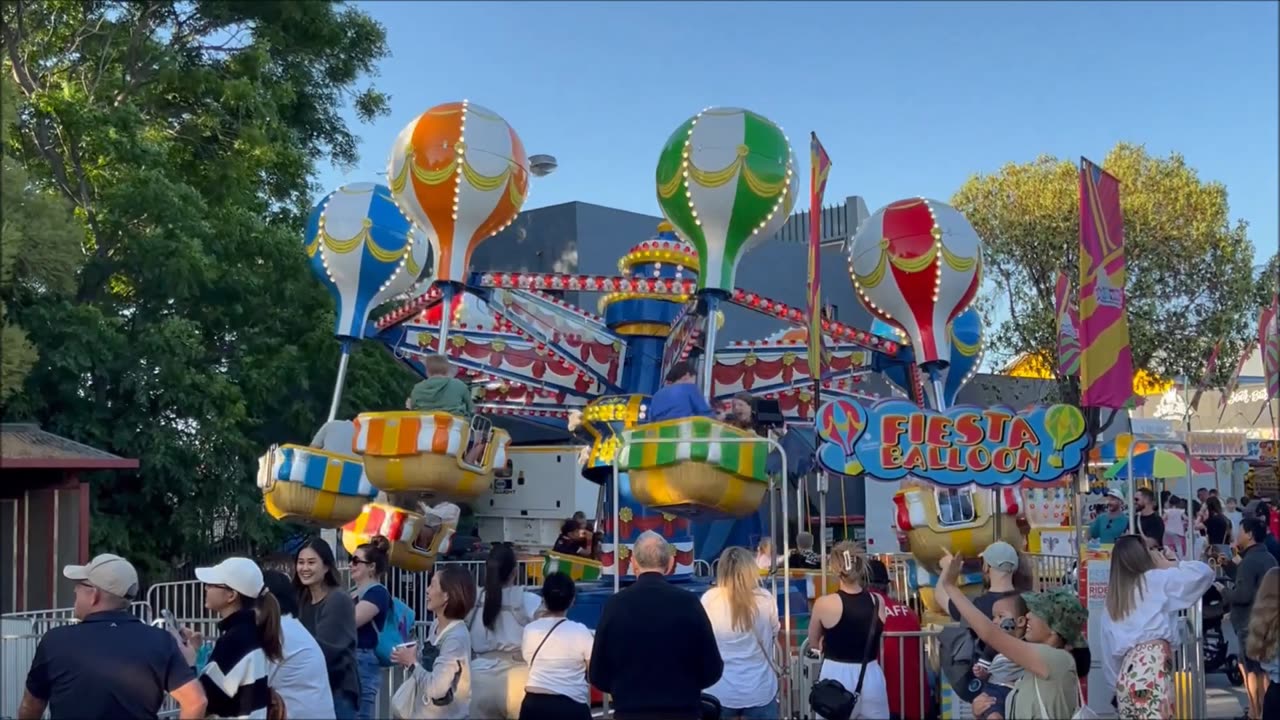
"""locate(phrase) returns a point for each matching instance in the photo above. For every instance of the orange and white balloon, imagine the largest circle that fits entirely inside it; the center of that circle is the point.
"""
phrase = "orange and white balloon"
(460, 173)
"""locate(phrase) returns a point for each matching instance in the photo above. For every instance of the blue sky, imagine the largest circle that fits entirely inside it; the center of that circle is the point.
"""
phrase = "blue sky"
(908, 98)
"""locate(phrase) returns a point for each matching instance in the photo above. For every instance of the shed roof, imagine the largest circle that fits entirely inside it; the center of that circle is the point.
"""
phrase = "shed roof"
(26, 446)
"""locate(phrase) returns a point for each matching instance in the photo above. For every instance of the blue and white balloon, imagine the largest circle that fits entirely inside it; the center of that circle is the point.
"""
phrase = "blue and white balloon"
(964, 359)
(365, 251)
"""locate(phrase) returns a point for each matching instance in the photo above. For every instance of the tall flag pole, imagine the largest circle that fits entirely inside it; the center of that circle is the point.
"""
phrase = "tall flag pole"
(1068, 327)
(819, 167)
(1234, 383)
(1106, 360)
(1210, 366)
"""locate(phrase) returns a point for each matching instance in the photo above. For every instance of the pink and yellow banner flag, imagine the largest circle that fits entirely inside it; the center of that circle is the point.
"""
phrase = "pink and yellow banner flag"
(1209, 367)
(1234, 383)
(1106, 360)
(1068, 327)
(1269, 341)
(819, 167)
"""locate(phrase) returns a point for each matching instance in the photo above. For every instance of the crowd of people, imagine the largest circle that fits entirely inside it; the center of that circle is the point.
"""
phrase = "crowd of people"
(310, 646)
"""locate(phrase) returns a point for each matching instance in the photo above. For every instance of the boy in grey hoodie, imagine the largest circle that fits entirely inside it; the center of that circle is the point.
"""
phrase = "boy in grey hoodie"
(441, 391)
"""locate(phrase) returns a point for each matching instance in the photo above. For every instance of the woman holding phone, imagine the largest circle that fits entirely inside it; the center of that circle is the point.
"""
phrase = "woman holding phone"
(440, 686)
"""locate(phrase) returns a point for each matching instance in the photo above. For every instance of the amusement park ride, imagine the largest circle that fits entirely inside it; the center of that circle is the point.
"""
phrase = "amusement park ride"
(726, 181)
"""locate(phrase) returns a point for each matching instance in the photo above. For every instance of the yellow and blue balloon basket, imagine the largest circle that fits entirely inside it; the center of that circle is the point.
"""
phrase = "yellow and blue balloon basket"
(314, 486)
(698, 476)
(400, 527)
(427, 453)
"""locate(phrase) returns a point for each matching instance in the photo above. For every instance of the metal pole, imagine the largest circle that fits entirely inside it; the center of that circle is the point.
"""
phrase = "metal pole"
(342, 379)
(709, 351)
(627, 443)
(446, 317)
(823, 479)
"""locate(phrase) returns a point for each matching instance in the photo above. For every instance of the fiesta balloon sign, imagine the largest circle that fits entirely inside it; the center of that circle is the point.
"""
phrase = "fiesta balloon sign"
(960, 446)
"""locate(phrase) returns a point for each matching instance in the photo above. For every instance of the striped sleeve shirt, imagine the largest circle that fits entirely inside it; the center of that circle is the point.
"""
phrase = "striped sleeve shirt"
(235, 680)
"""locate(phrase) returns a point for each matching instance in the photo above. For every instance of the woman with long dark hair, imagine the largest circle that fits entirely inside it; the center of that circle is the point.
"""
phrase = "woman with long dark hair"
(249, 639)
(439, 686)
(497, 630)
(373, 603)
(329, 614)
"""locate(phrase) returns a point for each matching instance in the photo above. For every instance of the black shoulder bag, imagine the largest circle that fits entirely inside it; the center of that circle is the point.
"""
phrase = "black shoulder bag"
(832, 700)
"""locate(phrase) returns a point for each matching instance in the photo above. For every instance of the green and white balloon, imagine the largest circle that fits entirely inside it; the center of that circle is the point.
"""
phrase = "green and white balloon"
(726, 182)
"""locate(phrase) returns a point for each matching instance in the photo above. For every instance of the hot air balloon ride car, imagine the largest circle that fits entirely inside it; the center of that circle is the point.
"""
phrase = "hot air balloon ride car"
(693, 472)
(434, 453)
(413, 546)
(313, 486)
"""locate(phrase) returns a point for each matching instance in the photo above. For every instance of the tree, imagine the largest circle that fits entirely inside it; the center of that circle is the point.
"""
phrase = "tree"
(185, 135)
(1190, 269)
(39, 250)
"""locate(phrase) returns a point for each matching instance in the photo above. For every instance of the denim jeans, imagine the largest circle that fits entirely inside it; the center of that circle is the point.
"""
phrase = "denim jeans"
(370, 683)
(764, 712)
(343, 708)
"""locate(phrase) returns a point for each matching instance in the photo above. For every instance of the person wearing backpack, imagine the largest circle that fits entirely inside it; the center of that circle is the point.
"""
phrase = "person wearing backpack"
(373, 606)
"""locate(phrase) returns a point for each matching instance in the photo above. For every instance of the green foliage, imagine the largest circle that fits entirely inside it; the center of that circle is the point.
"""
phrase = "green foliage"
(1190, 269)
(185, 135)
(39, 250)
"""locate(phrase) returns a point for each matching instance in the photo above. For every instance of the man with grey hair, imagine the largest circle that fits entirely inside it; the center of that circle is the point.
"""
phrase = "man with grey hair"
(78, 669)
(655, 651)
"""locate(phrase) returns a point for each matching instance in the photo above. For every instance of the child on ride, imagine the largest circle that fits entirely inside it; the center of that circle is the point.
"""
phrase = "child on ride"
(441, 391)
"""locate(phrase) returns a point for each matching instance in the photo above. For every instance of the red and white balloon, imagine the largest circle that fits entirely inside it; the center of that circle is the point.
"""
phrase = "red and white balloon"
(917, 264)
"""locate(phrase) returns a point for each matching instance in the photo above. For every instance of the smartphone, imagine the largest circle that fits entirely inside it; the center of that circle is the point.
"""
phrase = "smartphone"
(411, 645)
(170, 623)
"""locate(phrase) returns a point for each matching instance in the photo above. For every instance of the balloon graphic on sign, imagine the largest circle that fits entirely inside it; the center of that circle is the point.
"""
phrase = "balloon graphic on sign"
(840, 424)
(364, 250)
(1065, 424)
(917, 264)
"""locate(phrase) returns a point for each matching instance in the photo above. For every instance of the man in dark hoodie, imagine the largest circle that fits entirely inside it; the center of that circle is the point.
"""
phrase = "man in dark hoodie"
(441, 391)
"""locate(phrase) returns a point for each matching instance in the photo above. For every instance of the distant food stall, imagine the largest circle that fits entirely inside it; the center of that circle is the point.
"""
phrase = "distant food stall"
(44, 513)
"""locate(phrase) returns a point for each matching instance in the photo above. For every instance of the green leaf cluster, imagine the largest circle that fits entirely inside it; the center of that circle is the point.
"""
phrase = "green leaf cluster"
(1190, 267)
(184, 136)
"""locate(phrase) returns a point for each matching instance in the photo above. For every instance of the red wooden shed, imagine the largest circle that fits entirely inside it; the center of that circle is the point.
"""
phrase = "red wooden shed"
(44, 513)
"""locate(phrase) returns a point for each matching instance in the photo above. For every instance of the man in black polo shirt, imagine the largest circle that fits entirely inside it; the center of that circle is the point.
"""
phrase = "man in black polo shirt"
(110, 664)
(1150, 526)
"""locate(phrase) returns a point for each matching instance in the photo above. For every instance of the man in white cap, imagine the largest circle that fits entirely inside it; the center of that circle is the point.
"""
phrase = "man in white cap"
(78, 669)
(1000, 564)
(1108, 526)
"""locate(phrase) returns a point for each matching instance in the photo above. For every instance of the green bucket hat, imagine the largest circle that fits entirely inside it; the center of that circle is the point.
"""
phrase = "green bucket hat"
(1061, 611)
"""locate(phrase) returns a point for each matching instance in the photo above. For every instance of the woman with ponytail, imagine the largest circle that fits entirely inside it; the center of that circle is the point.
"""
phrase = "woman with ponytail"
(497, 630)
(845, 627)
(373, 603)
(235, 678)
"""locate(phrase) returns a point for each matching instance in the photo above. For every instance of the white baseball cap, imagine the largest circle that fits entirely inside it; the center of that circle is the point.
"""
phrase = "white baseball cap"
(109, 573)
(1001, 556)
(240, 574)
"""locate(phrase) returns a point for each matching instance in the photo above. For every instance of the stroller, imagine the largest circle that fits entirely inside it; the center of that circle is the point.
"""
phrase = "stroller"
(1217, 652)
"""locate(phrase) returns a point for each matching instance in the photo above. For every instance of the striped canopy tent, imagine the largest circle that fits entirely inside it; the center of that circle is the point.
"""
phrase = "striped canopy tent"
(1162, 464)
(1116, 449)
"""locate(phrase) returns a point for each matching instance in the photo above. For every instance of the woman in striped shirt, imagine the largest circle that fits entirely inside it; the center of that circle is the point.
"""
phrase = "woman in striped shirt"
(235, 678)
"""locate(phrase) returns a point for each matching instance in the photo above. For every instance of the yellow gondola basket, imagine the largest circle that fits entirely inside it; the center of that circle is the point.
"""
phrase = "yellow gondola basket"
(698, 476)
(310, 485)
(400, 527)
(426, 453)
(967, 528)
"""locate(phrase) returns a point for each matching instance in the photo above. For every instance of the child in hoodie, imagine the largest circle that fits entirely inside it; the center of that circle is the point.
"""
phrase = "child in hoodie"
(441, 391)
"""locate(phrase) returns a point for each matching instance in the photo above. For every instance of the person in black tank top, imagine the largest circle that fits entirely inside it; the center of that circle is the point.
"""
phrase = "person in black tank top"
(846, 626)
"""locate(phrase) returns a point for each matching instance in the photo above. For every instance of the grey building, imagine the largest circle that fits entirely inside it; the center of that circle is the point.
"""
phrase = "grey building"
(583, 238)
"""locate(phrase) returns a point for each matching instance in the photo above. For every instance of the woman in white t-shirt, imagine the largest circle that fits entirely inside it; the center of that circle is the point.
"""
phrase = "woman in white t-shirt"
(300, 678)
(559, 653)
(745, 620)
(497, 631)
(1139, 628)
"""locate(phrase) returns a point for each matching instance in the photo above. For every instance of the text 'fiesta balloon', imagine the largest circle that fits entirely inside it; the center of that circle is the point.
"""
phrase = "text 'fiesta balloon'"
(364, 250)
(460, 172)
(726, 182)
(917, 264)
